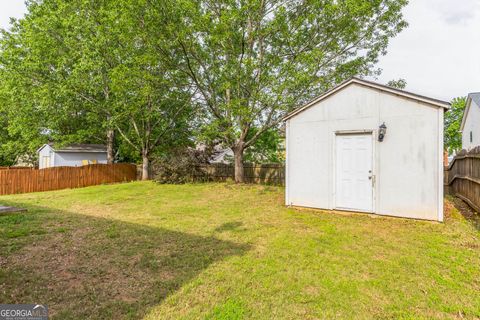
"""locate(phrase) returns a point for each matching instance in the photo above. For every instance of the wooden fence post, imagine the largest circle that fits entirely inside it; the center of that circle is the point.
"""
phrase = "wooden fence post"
(462, 177)
(273, 174)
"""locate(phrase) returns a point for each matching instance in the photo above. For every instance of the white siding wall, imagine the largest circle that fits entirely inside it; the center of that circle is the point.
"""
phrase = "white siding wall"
(74, 159)
(407, 164)
(472, 123)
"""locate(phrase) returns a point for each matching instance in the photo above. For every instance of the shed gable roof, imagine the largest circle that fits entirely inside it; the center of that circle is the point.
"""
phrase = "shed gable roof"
(371, 85)
(78, 147)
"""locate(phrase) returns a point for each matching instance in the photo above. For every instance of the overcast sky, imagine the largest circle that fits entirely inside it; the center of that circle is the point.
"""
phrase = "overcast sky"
(438, 54)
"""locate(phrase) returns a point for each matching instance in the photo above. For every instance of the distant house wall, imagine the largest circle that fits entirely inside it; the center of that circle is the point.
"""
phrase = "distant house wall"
(472, 125)
(75, 159)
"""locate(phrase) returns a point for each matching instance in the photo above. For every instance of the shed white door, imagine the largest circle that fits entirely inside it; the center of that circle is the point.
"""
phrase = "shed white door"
(354, 178)
(46, 162)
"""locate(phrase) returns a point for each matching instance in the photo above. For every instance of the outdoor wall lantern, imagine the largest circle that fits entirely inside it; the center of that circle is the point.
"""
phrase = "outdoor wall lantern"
(382, 130)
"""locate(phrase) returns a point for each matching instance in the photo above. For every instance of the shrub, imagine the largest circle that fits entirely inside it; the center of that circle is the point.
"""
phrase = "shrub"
(181, 166)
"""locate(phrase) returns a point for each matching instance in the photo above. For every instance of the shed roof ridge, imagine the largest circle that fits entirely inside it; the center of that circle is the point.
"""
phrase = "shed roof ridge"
(373, 85)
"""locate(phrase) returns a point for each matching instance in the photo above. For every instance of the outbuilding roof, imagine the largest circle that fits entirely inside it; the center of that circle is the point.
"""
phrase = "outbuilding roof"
(373, 85)
(78, 147)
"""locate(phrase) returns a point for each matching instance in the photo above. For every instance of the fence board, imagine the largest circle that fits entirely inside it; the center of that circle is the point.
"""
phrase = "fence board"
(23, 180)
(462, 177)
(262, 173)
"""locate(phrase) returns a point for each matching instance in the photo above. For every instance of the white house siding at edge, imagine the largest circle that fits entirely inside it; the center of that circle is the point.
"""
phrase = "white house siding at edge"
(407, 165)
(471, 127)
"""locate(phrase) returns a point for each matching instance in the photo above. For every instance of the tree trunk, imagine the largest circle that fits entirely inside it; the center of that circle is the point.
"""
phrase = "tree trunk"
(110, 141)
(145, 167)
(239, 170)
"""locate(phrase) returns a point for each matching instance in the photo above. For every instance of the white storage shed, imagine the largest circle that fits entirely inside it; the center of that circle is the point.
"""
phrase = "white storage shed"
(367, 147)
(73, 155)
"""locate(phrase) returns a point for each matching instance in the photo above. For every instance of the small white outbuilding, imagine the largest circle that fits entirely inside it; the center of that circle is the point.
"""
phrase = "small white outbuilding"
(367, 147)
(73, 155)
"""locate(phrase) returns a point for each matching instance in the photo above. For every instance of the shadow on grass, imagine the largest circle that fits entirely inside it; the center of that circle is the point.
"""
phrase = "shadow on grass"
(89, 267)
(229, 226)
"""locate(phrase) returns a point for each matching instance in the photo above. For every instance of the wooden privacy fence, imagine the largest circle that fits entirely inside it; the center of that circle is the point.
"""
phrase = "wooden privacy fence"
(32, 180)
(254, 173)
(462, 177)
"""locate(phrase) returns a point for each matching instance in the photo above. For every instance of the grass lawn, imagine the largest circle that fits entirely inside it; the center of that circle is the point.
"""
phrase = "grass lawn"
(221, 251)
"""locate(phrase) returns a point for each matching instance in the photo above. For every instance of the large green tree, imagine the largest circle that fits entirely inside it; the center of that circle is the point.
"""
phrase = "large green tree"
(76, 71)
(452, 122)
(252, 61)
(50, 88)
(154, 111)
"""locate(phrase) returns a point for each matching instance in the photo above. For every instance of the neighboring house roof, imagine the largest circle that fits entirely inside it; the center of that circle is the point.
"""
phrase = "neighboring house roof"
(220, 153)
(78, 147)
(221, 156)
(475, 97)
(373, 85)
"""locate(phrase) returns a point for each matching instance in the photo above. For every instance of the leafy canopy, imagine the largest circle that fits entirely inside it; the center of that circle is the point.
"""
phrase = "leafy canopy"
(71, 71)
(397, 84)
(452, 122)
(254, 60)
